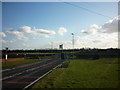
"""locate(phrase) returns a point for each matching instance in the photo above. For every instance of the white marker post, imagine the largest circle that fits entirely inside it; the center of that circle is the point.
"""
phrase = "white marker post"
(6, 57)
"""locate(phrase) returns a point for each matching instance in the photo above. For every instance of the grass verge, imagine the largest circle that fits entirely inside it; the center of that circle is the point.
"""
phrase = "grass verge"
(101, 73)
(48, 81)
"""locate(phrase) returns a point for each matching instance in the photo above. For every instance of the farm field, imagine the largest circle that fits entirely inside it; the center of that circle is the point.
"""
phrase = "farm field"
(10, 63)
(38, 53)
(100, 73)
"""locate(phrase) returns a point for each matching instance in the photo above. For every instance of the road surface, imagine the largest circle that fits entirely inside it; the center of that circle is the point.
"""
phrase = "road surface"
(22, 76)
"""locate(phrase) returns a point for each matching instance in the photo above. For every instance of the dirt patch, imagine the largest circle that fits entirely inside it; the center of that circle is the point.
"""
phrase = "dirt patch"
(13, 59)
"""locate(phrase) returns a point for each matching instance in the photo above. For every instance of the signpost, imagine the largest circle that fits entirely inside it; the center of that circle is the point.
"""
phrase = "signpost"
(62, 54)
(61, 46)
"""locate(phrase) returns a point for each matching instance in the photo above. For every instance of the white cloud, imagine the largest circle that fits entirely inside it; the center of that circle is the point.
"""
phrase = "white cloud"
(111, 26)
(100, 40)
(2, 34)
(19, 35)
(25, 45)
(26, 29)
(92, 30)
(37, 32)
(42, 31)
(2, 41)
(7, 41)
(62, 30)
(105, 36)
(11, 41)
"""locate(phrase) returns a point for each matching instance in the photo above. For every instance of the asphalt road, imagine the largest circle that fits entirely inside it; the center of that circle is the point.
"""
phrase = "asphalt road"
(22, 76)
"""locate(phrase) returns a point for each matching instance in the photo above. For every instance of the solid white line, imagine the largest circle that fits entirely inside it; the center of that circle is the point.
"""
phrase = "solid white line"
(31, 69)
(22, 66)
(37, 80)
(41, 77)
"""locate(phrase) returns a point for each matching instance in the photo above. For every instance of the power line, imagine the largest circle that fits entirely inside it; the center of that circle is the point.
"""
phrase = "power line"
(101, 8)
(87, 10)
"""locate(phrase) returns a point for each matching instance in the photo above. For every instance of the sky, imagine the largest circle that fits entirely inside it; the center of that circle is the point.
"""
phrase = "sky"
(44, 25)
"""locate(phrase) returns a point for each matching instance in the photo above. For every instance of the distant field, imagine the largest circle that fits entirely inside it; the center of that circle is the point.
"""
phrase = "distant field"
(29, 55)
(38, 53)
(101, 73)
(10, 64)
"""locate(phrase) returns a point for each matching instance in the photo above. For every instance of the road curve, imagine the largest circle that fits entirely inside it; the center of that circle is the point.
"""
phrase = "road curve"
(22, 76)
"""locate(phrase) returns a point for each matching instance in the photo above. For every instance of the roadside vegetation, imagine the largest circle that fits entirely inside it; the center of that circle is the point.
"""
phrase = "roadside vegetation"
(99, 73)
(48, 81)
(11, 64)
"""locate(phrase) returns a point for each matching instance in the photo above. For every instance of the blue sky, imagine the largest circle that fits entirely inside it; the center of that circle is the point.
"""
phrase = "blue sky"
(54, 22)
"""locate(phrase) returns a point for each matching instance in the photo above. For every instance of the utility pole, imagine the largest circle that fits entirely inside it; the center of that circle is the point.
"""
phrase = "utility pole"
(73, 44)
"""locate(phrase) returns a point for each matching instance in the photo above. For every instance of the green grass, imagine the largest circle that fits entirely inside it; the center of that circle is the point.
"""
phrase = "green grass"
(47, 57)
(48, 81)
(101, 73)
(11, 64)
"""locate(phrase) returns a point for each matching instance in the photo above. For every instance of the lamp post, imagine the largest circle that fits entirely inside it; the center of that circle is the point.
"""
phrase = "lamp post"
(73, 44)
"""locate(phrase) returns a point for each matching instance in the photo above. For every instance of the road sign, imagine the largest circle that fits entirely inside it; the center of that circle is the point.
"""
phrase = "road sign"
(61, 46)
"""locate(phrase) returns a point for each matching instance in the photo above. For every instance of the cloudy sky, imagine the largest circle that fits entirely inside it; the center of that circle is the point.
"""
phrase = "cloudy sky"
(36, 25)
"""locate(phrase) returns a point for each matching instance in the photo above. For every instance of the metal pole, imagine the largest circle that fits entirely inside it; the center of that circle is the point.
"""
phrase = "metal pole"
(73, 45)
(73, 41)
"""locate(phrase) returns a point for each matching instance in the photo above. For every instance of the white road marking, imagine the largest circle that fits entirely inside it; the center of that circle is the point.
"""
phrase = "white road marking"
(40, 77)
(25, 71)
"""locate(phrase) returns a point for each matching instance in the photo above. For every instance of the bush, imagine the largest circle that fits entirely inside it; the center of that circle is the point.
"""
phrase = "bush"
(96, 56)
